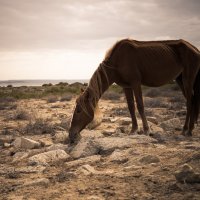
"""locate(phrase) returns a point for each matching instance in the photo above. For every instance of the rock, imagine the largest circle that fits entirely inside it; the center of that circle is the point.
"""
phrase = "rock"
(142, 139)
(160, 137)
(20, 156)
(57, 147)
(25, 143)
(39, 182)
(84, 148)
(49, 157)
(46, 142)
(108, 132)
(186, 174)
(31, 169)
(88, 170)
(152, 120)
(148, 159)
(81, 161)
(91, 134)
(125, 121)
(94, 197)
(118, 157)
(6, 139)
(109, 144)
(61, 136)
(6, 145)
(132, 168)
(171, 124)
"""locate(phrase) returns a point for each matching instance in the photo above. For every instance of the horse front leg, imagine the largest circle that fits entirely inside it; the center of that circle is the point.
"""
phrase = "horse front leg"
(140, 107)
(131, 106)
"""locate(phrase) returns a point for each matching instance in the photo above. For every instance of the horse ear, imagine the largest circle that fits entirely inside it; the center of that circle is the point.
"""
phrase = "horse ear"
(82, 90)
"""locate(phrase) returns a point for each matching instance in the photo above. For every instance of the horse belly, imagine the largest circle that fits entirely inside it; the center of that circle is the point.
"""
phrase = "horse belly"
(157, 74)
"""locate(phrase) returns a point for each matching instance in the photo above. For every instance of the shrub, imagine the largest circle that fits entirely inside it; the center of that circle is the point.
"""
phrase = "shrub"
(39, 126)
(52, 99)
(155, 103)
(110, 95)
(66, 97)
(21, 114)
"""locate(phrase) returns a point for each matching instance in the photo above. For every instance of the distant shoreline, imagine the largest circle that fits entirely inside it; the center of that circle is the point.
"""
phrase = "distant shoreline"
(19, 83)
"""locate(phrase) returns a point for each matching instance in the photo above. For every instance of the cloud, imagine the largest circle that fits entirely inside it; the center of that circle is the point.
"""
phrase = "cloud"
(67, 24)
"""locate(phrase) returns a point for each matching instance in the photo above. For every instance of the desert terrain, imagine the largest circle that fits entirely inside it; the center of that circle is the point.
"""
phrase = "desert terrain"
(37, 163)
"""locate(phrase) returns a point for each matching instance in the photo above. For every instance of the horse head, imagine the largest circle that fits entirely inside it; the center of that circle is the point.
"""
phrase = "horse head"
(82, 116)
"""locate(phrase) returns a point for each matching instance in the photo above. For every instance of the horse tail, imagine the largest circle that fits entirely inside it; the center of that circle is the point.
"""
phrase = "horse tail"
(196, 97)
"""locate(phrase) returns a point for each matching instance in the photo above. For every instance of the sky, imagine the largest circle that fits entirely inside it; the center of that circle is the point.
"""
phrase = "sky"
(67, 39)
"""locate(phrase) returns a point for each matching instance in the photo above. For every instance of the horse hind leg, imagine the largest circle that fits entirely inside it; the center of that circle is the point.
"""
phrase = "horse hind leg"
(188, 82)
(140, 107)
(131, 106)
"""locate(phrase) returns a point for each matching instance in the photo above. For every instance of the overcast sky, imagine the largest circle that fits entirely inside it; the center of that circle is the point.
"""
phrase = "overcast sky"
(66, 39)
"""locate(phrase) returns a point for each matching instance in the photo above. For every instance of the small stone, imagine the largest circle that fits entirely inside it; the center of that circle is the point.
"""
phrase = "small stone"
(81, 161)
(88, 170)
(31, 169)
(61, 136)
(186, 174)
(7, 145)
(48, 157)
(171, 124)
(39, 182)
(148, 159)
(20, 156)
(118, 157)
(152, 120)
(93, 197)
(109, 144)
(25, 143)
(46, 142)
(57, 147)
(125, 121)
(84, 148)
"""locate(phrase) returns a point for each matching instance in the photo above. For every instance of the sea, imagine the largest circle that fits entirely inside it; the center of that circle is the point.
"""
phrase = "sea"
(19, 83)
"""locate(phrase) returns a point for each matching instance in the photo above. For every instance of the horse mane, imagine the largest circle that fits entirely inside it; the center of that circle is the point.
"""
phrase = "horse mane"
(94, 90)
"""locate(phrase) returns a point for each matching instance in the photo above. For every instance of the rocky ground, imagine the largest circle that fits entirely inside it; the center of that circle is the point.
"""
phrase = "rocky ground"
(107, 163)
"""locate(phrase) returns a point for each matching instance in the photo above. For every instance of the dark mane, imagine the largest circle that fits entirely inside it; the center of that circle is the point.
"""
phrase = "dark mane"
(94, 89)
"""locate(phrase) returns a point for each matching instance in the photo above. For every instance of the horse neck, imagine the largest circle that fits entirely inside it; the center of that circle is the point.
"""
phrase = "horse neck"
(100, 82)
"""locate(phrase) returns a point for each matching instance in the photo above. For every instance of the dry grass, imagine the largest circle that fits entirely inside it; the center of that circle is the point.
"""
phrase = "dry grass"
(155, 103)
(66, 97)
(20, 114)
(39, 126)
(111, 95)
(52, 99)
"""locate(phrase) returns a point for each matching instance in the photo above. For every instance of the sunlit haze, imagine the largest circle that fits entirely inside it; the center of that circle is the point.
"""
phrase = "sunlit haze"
(65, 39)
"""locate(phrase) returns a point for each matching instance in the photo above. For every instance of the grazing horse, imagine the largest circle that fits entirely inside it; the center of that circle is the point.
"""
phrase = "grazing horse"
(130, 64)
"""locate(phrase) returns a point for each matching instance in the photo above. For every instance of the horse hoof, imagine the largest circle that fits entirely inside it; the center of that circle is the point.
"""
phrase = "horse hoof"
(187, 133)
(134, 132)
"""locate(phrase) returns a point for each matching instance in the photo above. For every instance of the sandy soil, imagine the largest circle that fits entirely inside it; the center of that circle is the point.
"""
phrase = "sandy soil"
(143, 168)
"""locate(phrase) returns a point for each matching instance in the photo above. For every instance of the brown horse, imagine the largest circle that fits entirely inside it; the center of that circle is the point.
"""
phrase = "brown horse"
(130, 64)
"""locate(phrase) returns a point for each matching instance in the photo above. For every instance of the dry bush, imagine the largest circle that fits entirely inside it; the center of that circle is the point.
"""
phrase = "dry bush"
(66, 97)
(152, 92)
(121, 111)
(111, 95)
(20, 114)
(65, 124)
(155, 103)
(52, 99)
(7, 103)
(39, 126)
